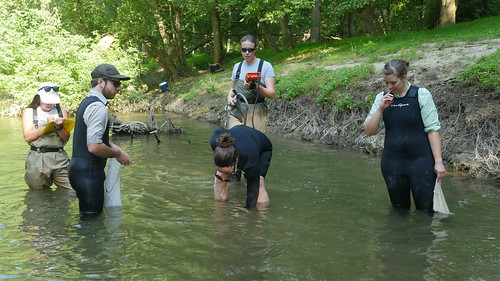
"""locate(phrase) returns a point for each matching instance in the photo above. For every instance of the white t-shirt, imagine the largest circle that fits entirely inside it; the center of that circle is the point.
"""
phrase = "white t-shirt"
(267, 70)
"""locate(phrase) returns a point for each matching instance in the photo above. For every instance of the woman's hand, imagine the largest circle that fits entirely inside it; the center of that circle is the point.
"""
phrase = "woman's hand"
(440, 170)
(387, 100)
(231, 98)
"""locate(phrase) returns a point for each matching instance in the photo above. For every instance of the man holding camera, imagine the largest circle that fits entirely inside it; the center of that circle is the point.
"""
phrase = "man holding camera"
(253, 82)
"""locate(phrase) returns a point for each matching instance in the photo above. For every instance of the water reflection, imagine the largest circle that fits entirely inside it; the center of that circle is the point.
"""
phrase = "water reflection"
(409, 245)
(329, 219)
(99, 245)
(70, 245)
(44, 220)
(239, 228)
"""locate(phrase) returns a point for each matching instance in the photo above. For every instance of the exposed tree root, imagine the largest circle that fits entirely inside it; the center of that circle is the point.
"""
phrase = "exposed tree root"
(470, 131)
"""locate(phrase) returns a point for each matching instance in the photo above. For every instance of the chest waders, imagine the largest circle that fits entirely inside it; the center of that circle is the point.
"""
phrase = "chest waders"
(86, 170)
(244, 98)
(35, 115)
(407, 161)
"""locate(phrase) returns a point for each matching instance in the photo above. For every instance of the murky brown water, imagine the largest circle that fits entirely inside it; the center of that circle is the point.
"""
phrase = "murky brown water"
(329, 219)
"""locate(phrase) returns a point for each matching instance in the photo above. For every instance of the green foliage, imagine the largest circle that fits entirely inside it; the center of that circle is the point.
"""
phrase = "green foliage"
(302, 82)
(486, 72)
(208, 85)
(199, 61)
(475, 9)
(46, 52)
(328, 86)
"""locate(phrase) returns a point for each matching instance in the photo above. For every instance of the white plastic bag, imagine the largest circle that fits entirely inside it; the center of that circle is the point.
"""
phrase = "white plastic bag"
(440, 205)
(112, 196)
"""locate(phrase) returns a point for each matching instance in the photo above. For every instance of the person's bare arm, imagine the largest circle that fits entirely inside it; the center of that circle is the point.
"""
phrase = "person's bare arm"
(435, 142)
(113, 151)
(371, 125)
(30, 133)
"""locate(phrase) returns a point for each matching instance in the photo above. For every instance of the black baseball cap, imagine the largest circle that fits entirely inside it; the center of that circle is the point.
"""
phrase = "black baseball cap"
(107, 71)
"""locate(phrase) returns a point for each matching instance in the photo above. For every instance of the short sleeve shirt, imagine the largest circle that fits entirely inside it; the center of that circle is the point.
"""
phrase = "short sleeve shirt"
(267, 70)
(96, 118)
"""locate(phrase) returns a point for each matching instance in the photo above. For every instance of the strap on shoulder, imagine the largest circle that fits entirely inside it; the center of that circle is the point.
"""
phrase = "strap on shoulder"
(259, 69)
(59, 111)
(35, 117)
(413, 91)
(238, 71)
(261, 62)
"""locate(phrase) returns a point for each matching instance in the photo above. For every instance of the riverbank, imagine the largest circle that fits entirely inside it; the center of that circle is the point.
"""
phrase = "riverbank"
(469, 114)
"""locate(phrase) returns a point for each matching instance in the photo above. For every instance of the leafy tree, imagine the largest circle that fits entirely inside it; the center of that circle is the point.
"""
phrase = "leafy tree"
(35, 48)
(159, 30)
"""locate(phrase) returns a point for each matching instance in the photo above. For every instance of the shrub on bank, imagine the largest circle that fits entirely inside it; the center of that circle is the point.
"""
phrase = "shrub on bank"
(327, 87)
(486, 72)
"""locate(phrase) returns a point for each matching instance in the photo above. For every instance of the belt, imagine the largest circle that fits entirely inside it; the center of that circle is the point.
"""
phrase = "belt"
(252, 101)
(46, 149)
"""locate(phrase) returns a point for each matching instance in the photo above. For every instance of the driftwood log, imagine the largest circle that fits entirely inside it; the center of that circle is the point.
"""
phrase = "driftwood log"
(140, 128)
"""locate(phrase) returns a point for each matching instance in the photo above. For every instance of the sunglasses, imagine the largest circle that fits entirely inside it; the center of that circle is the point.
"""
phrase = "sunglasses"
(250, 50)
(116, 83)
(48, 88)
(220, 178)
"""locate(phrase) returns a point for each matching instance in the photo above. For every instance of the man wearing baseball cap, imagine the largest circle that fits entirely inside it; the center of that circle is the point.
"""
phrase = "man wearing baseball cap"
(91, 145)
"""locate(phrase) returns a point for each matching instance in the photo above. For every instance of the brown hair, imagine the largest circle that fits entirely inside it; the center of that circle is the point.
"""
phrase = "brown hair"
(397, 67)
(93, 82)
(35, 102)
(226, 153)
(249, 38)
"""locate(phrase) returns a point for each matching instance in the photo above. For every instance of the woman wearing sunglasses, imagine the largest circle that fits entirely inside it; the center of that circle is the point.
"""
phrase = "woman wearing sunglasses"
(243, 148)
(47, 162)
(253, 92)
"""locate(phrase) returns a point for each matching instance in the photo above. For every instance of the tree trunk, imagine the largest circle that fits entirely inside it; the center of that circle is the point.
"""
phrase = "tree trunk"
(369, 21)
(178, 33)
(179, 55)
(315, 22)
(448, 10)
(156, 51)
(349, 25)
(217, 53)
(171, 54)
(383, 18)
(285, 31)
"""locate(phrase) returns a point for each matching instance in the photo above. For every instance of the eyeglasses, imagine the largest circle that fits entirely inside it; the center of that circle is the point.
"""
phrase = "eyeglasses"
(116, 83)
(48, 88)
(250, 50)
(220, 178)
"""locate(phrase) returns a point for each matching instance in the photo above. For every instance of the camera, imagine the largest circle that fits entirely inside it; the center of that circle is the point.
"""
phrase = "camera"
(252, 78)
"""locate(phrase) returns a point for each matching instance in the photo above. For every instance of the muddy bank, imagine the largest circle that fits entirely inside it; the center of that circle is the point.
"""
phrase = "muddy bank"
(469, 115)
(469, 119)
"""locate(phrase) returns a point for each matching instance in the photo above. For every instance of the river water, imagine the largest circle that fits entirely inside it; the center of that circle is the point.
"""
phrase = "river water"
(329, 219)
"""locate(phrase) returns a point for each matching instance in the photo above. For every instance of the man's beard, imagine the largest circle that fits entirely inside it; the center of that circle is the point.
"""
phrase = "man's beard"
(106, 94)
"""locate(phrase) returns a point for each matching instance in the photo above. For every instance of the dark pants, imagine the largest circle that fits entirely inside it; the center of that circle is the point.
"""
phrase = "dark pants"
(415, 175)
(88, 182)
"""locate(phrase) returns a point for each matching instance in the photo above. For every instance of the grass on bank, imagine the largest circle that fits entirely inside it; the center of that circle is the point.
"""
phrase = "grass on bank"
(485, 72)
(301, 71)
